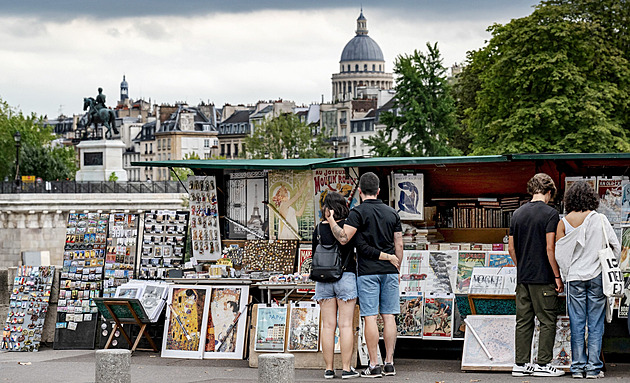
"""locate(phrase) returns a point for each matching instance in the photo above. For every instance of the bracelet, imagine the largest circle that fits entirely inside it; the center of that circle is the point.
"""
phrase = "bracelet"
(558, 277)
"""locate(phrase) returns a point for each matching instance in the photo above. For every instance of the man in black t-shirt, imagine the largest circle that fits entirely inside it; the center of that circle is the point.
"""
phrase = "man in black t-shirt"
(379, 253)
(532, 248)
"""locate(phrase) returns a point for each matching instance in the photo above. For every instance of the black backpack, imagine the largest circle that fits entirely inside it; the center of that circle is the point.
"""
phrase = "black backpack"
(326, 264)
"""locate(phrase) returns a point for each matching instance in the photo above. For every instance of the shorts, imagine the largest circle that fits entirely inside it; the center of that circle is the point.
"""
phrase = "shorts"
(344, 289)
(378, 293)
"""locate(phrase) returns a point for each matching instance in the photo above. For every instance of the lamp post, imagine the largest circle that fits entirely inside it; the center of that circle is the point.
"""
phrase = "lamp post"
(296, 154)
(335, 142)
(18, 138)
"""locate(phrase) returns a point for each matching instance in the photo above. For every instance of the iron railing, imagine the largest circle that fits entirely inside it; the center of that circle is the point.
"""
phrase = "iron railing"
(92, 187)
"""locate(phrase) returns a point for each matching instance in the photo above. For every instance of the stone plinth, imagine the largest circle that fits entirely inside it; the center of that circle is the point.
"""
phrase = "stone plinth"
(113, 366)
(99, 159)
(276, 368)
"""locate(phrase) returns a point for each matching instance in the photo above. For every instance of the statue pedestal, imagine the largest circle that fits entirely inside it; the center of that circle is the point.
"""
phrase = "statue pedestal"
(99, 159)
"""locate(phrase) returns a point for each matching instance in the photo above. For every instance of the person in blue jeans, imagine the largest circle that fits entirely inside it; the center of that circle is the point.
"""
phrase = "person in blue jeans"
(579, 237)
(379, 246)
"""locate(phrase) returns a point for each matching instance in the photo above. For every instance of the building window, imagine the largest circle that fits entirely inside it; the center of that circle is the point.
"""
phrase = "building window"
(206, 156)
(229, 150)
(145, 149)
(169, 144)
(379, 68)
(365, 67)
(222, 149)
(159, 144)
(373, 67)
(151, 147)
(356, 68)
(169, 156)
(354, 141)
(206, 143)
(235, 150)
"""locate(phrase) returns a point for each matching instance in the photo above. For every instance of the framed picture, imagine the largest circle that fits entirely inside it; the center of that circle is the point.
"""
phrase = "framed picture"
(227, 316)
(303, 334)
(409, 196)
(271, 326)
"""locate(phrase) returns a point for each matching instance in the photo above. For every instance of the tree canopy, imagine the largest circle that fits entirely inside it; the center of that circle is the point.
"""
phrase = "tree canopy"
(554, 81)
(423, 121)
(286, 135)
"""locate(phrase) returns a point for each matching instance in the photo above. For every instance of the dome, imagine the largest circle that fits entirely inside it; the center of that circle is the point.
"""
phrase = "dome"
(362, 48)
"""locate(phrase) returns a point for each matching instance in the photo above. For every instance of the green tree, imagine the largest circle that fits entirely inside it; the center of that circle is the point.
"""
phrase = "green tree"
(423, 122)
(38, 156)
(183, 173)
(554, 81)
(286, 134)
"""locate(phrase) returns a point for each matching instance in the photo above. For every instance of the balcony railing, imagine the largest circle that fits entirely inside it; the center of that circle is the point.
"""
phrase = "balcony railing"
(92, 187)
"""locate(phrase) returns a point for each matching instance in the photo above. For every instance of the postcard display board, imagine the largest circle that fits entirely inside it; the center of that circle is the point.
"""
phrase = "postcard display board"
(27, 308)
(81, 280)
(163, 243)
(204, 218)
(120, 259)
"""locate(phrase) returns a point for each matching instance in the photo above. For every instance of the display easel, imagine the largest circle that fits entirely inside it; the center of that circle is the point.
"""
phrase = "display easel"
(125, 311)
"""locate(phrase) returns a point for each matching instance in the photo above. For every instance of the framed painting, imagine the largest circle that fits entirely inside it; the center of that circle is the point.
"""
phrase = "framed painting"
(271, 324)
(227, 315)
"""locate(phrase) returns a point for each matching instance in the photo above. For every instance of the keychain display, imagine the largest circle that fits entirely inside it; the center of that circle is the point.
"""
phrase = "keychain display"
(204, 218)
(278, 255)
(121, 251)
(163, 243)
(28, 306)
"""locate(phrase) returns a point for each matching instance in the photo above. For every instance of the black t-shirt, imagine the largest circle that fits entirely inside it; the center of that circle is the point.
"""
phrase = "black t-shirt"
(346, 251)
(530, 225)
(376, 224)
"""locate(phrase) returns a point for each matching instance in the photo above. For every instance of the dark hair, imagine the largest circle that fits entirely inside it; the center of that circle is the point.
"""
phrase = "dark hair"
(337, 203)
(541, 183)
(580, 197)
(369, 183)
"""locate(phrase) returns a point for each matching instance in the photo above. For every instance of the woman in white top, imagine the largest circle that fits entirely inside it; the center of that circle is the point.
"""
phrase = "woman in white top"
(579, 237)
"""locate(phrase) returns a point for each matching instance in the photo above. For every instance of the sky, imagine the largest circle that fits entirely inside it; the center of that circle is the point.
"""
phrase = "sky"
(54, 53)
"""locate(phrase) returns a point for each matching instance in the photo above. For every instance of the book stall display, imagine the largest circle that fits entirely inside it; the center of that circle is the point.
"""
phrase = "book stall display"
(120, 259)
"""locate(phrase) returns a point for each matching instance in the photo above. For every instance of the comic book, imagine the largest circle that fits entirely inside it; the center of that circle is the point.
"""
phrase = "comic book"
(466, 261)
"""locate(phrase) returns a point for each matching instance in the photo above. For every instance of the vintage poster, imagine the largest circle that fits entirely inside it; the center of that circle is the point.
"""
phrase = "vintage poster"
(486, 280)
(624, 262)
(291, 210)
(465, 262)
(568, 181)
(625, 203)
(441, 271)
(245, 207)
(509, 280)
(609, 190)
(562, 346)
(342, 181)
(225, 336)
(438, 316)
(303, 329)
(625, 300)
(500, 259)
(489, 342)
(271, 327)
(185, 326)
(413, 272)
(409, 196)
(305, 257)
(410, 318)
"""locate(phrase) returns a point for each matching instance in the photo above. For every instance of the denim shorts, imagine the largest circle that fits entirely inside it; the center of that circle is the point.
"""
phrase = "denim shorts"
(378, 293)
(344, 289)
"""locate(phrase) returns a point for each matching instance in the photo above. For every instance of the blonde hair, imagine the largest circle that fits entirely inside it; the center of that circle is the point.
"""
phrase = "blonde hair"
(541, 183)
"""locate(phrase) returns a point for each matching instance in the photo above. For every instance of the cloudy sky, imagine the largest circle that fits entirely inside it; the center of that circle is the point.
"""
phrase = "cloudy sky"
(54, 53)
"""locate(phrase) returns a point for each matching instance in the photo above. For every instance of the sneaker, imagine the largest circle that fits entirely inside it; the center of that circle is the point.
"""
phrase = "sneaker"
(524, 370)
(370, 372)
(350, 374)
(547, 370)
(578, 375)
(389, 370)
(597, 376)
(329, 374)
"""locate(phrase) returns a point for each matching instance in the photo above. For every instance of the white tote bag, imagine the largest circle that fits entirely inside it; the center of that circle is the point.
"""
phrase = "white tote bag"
(612, 278)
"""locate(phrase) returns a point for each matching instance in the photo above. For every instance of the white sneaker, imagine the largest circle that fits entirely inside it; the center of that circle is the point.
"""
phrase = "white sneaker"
(598, 376)
(547, 370)
(524, 370)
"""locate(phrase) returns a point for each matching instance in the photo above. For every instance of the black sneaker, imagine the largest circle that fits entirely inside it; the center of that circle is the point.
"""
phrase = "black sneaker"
(329, 374)
(350, 374)
(370, 372)
(389, 370)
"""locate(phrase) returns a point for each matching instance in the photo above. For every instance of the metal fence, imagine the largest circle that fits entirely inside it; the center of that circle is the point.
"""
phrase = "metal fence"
(92, 187)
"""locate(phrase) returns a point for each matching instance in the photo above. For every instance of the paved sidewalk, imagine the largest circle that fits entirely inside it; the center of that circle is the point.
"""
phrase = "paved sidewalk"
(52, 366)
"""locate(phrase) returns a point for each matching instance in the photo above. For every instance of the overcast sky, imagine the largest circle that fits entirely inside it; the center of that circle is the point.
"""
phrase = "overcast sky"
(54, 53)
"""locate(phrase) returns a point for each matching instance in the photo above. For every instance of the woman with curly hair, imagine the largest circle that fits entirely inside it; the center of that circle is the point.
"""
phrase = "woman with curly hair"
(579, 237)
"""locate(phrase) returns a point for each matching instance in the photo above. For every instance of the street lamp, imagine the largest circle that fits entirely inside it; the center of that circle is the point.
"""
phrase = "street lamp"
(335, 142)
(296, 154)
(18, 138)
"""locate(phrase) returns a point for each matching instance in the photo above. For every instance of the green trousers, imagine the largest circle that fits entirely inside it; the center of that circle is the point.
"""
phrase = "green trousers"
(540, 301)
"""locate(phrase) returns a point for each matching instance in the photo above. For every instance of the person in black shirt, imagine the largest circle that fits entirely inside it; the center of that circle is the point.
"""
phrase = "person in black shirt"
(532, 248)
(336, 296)
(378, 234)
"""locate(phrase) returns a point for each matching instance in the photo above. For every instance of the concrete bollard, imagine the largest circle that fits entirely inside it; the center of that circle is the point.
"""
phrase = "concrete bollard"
(276, 368)
(113, 366)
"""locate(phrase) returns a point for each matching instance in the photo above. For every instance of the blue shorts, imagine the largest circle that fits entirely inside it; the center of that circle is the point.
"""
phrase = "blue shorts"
(378, 293)
(344, 289)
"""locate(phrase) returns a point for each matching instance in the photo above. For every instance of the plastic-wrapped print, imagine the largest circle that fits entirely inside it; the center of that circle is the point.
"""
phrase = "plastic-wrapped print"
(466, 261)
(291, 212)
(303, 327)
(271, 326)
(438, 316)
(227, 316)
(185, 326)
(409, 196)
(409, 320)
(562, 345)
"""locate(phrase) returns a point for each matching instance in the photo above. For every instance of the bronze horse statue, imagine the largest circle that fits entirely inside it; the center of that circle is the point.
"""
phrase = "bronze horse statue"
(104, 116)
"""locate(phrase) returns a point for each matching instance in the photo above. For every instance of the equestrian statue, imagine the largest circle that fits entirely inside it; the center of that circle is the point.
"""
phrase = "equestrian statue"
(98, 113)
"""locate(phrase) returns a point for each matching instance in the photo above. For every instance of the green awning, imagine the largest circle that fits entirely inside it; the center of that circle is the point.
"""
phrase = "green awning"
(571, 156)
(402, 161)
(292, 163)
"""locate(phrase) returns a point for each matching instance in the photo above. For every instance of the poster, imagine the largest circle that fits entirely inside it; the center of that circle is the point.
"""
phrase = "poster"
(441, 272)
(339, 180)
(568, 181)
(486, 280)
(609, 190)
(303, 332)
(291, 210)
(413, 272)
(625, 203)
(438, 316)
(271, 325)
(409, 196)
(409, 320)
(185, 325)
(489, 342)
(465, 262)
(562, 345)
(225, 335)
(624, 262)
(305, 257)
(246, 193)
(625, 300)
(153, 299)
(500, 259)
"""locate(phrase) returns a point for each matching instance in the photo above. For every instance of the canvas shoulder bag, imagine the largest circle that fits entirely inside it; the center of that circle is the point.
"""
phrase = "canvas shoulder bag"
(326, 264)
(612, 278)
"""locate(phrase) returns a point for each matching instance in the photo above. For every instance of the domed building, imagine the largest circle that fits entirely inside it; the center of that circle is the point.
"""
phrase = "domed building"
(361, 65)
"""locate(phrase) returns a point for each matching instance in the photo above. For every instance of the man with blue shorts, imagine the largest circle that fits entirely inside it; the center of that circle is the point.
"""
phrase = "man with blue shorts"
(379, 253)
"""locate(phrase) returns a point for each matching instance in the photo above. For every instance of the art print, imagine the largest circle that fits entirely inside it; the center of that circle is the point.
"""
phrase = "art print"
(413, 272)
(186, 320)
(291, 209)
(225, 336)
(438, 316)
(610, 197)
(246, 193)
(271, 323)
(625, 299)
(153, 299)
(489, 342)
(342, 181)
(305, 258)
(409, 321)
(562, 345)
(441, 271)
(624, 262)
(467, 260)
(500, 259)
(129, 292)
(486, 280)
(303, 332)
(625, 203)
(409, 196)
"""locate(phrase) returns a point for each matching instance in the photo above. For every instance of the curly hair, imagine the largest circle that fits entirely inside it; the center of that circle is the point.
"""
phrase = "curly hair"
(541, 183)
(580, 197)
(337, 203)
